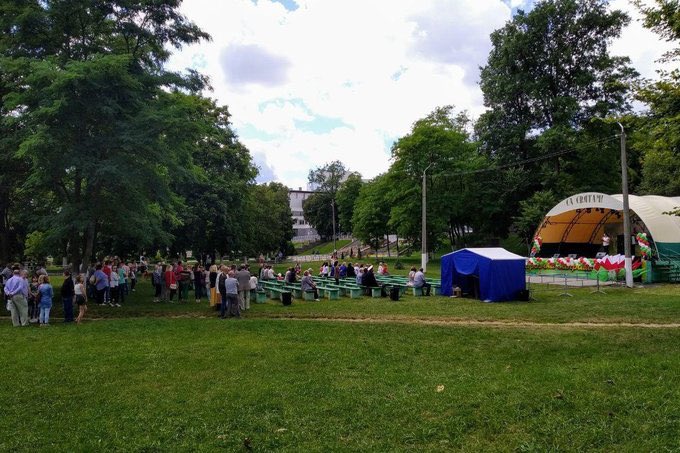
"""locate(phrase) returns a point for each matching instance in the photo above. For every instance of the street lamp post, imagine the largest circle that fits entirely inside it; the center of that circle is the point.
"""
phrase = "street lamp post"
(626, 212)
(423, 255)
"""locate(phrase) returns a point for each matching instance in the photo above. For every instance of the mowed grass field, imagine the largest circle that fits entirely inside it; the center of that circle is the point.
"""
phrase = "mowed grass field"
(318, 377)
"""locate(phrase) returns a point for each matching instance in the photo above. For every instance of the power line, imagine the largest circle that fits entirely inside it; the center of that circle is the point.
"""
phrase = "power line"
(530, 160)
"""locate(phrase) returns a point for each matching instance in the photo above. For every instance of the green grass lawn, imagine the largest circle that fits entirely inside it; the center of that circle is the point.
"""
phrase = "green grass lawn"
(206, 384)
(150, 377)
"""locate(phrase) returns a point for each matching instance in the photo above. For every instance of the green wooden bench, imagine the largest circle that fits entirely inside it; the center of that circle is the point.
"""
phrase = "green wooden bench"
(308, 295)
(275, 293)
(328, 292)
(260, 297)
(296, 290)
(376, 291)
(354, 291)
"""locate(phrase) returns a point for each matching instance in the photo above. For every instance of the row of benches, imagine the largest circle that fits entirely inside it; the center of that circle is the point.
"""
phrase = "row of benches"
(328, 289)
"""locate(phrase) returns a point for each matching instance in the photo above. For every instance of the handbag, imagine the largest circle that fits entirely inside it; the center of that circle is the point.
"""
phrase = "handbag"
(173, 285)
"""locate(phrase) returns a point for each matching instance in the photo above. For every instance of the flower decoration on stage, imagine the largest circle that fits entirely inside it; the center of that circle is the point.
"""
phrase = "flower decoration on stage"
(536, 245)
(643, 242)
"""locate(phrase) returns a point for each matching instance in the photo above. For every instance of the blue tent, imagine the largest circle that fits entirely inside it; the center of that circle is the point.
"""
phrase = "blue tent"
(493, 273)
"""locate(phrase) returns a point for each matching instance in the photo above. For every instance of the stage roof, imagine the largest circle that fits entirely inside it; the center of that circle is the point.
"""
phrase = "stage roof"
(581, 218)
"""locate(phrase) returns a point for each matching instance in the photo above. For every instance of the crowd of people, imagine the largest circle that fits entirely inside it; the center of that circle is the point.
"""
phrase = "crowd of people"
(30, 302)
(228, 289)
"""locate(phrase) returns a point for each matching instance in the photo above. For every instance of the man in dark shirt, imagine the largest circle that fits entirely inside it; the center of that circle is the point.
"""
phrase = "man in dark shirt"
(67, 296)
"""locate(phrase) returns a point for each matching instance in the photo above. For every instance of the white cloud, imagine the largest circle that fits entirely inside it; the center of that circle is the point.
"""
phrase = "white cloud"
(375, 66)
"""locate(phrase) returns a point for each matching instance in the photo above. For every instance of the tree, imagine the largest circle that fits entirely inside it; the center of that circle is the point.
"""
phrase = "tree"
(318, 212)
(214, 214)
(345, 200)
(548, 75)
(440, 144)
(270, 226)
(531, 214)
(103, 121)
(372, 212)
(318, 208)
(658, 134)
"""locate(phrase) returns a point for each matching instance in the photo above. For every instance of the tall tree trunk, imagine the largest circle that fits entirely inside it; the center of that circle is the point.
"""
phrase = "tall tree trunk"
(76, 254)
(388, 245)
(89, 240)
(397, 242)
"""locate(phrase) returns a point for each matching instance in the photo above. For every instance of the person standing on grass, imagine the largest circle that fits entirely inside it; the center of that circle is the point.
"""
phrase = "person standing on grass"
(197, 276)
(88, 285)
(170, 283)
(253, 287)
(232, 288)
(420, 282)
(115, 287)
(16, 292)
(81, 298)
(307, 284)
(46, 296)
(206, 282)
(185, 282)
(157, 282)
(221, 289)
(133, 276)
(243, 277)
(101, 283)
(122, 280)
(33, 300)
(107, 292)
(212, 281)
(122, 285)
(67, 296)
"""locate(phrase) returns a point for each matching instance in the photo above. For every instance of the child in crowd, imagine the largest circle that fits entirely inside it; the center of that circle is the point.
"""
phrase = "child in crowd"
(81, 298)
(115, 286)
(46, 294)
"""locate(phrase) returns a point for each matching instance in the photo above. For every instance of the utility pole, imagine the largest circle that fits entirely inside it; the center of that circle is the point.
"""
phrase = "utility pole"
(626, 211)
(423, 253)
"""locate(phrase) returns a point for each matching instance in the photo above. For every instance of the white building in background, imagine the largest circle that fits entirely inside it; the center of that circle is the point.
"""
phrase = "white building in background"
(303, 230)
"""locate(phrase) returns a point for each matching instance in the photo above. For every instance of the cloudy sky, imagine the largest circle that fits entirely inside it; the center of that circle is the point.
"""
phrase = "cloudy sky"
(312, 81)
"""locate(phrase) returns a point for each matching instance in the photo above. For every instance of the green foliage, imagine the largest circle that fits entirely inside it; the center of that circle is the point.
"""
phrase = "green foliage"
(318, 212)
(345, 200)
(372, 212)
(36, 246)
(548, 76)
(531, 214)
(318, 208)
(663, 17)
(658, 134)
(119, 154)
(439, 145)
(269, 224)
